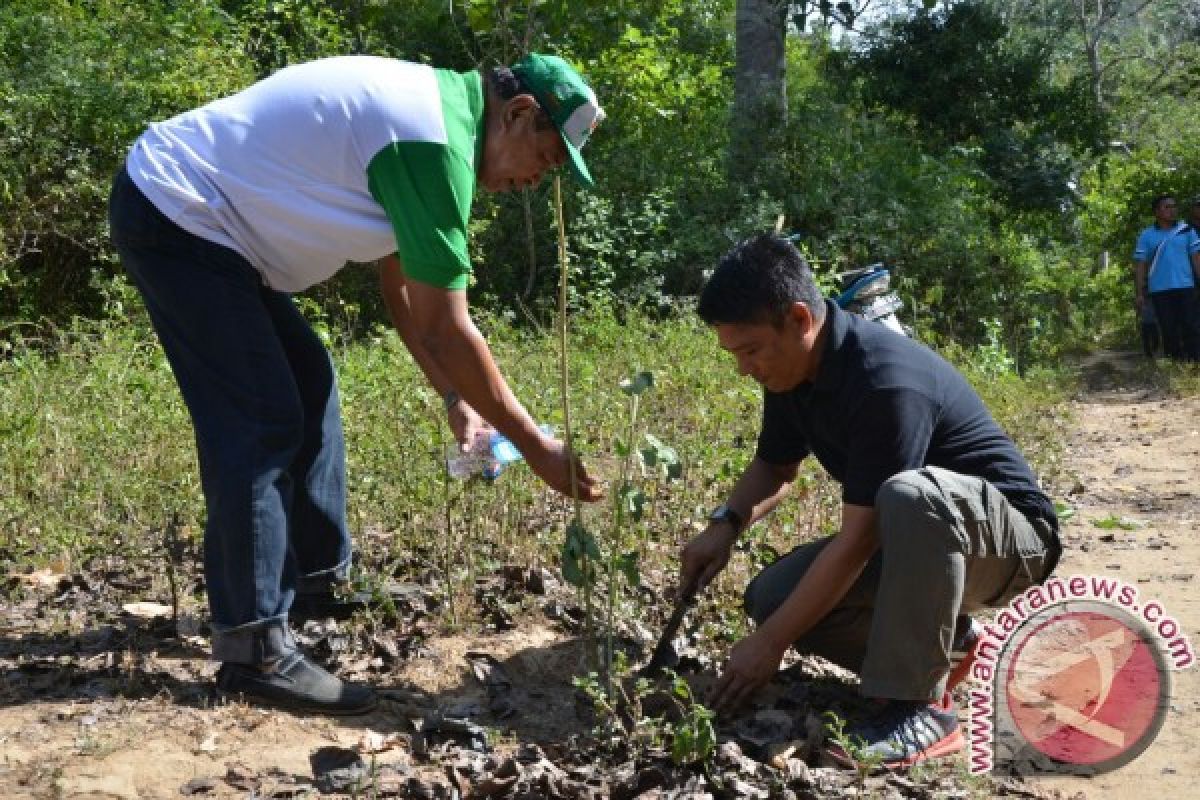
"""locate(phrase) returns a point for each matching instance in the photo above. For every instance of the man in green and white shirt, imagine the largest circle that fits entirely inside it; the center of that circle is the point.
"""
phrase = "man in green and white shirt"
(224, 211)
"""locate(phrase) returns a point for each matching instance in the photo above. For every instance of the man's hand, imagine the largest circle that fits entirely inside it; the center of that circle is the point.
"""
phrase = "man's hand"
(550, 461)
(1139, 302)
(466, 424)
(705, 556)
(752, 663)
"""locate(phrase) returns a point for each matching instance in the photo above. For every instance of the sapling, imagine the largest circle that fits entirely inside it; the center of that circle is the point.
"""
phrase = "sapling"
(580, 547)
(630, 500)
(854, 746)
(686, 732)
(581, 552)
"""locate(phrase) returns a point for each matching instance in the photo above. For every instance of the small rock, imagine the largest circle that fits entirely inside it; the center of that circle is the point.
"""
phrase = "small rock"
(463, 731)
(376, 742)
(540, 581)
(493, 787)
(764, 728)
(828, 779)
(241, 777)
(729, 754)
(420, 790)
(749, 790)
(337, 769)
(198, 786)
(391, 781)
(530, 754)
(798, 774)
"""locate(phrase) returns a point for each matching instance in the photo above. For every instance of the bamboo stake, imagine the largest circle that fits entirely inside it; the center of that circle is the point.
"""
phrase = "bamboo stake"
(564, 386)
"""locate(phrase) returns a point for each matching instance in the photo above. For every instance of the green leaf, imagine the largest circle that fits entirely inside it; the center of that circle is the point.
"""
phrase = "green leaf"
(579, 553)
(627, 565)
(481, 16)
(633, 500)
(591, 548)
(582, 540)
(572, 571)
(682, 745)
(657, 454)
(638, 383)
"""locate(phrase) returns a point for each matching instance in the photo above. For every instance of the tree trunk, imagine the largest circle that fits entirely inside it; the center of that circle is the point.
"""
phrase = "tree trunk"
(760, 99)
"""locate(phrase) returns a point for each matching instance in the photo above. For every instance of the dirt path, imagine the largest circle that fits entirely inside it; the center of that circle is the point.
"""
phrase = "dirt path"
(1136, 458)
(1134, 454)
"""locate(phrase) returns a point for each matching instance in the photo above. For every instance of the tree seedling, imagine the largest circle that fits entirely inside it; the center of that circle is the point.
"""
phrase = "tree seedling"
(854, 746)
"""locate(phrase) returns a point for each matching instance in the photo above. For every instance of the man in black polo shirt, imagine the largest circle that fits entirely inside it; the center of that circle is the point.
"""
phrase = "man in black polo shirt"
(940, 513)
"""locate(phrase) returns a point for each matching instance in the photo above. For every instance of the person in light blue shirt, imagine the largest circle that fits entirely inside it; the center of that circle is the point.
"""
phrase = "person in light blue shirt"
(1166, 265)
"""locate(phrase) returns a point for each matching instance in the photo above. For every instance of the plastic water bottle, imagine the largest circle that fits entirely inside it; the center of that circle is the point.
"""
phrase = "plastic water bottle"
(490, 453)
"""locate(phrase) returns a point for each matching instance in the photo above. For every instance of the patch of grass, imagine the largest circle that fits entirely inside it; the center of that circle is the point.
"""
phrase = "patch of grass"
(97, 455)
(1113, 522)
(1182, 379)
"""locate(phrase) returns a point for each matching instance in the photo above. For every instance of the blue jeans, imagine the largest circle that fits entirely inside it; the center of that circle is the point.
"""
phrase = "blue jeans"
(263, 399)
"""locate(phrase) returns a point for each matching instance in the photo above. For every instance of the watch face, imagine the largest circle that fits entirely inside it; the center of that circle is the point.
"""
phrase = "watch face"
(726, 514)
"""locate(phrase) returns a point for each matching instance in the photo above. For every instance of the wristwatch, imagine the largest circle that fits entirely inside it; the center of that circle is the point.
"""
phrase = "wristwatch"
(724, 513)
(450, 400)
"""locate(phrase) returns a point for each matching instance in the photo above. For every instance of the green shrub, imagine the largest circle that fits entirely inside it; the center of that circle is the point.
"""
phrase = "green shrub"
(78, 82)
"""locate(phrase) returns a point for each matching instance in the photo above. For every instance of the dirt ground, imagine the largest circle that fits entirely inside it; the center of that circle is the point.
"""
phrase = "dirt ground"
(1134, 455)
(1136, 458)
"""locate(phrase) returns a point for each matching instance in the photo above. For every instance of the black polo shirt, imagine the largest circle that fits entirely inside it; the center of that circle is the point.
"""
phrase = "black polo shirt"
(882, 404)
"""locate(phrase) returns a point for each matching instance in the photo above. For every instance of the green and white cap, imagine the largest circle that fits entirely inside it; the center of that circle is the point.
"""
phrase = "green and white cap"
(567, 100)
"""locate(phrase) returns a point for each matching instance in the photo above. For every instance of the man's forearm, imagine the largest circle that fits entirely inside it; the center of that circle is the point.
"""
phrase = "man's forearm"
(760, 489)
(454, 355)
(826, 582)
(467, 361)
(395, 298)
(1139, 278)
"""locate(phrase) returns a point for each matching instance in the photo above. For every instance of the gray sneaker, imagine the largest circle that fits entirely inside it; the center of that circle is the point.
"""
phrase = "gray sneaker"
(899, 734)
(294, 683)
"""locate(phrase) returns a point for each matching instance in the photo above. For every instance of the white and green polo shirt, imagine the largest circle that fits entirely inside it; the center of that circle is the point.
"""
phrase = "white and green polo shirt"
(342, 159)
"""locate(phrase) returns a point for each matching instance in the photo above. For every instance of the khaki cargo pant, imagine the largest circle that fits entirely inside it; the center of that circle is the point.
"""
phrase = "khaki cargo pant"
(950, 544)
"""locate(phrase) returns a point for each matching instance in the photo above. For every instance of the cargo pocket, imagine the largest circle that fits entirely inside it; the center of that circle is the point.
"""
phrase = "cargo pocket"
(1022, 578)
(962, 506)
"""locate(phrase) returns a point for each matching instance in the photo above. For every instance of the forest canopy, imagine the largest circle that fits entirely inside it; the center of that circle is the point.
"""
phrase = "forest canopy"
(998, 155)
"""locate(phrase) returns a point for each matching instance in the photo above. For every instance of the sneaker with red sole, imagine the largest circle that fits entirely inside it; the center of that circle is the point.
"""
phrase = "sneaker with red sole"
(968, 634)
(900, 734)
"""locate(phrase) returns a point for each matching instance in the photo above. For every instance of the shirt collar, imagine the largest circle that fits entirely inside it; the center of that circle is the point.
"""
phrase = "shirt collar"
(832, 367)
